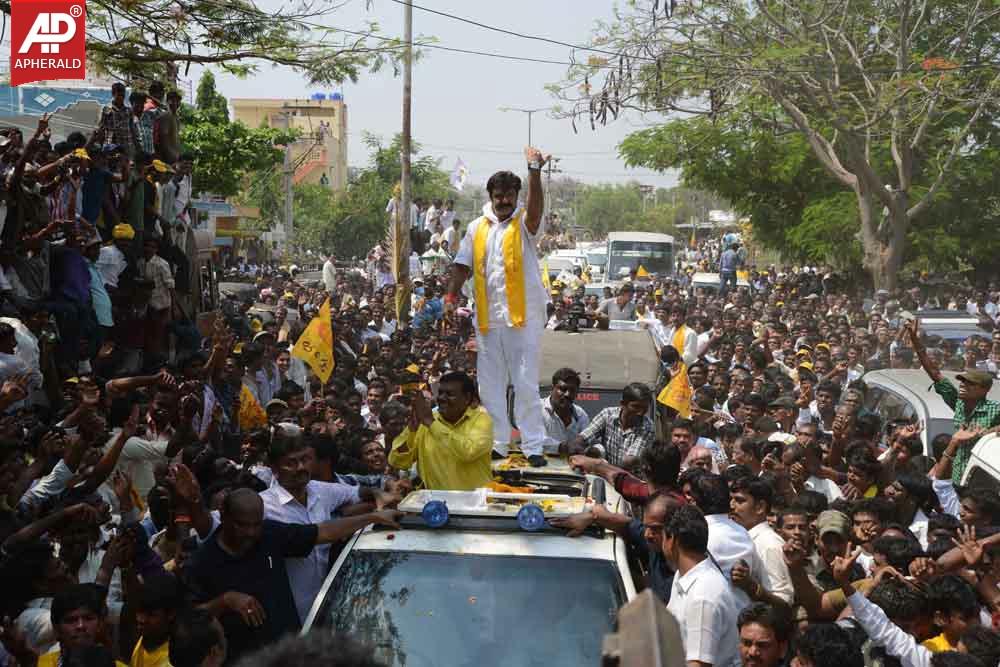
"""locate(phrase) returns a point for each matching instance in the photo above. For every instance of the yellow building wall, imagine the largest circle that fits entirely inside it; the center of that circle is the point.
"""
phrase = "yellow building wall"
(323, 124)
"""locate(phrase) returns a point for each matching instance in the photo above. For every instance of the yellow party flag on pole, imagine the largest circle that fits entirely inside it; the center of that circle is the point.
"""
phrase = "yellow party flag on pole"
(641, 272)
(677, 394)
(545, 274)
(315, 345)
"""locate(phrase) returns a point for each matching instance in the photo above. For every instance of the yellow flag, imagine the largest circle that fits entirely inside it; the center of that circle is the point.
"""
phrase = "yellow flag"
(545, 274)
(641, 272)
(315, 345)
(677, 394)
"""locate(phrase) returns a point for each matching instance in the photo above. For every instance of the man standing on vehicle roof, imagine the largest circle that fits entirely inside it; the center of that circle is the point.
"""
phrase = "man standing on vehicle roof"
(972, 408)
(500, 251)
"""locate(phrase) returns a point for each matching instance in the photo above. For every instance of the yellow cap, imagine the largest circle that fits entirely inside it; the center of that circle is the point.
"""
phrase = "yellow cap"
(123, 231)
(162, 167)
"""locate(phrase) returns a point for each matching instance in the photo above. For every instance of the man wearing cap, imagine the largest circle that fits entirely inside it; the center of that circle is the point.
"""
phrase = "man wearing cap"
(100, 301)
(500, 250)
(111, 261)
(784, 411)
(972, 408)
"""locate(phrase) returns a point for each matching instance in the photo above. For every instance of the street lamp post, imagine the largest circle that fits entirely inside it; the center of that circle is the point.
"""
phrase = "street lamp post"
(530, 113)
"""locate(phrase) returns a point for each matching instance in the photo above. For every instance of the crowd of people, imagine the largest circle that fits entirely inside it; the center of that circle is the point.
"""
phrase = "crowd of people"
(173, 498)
(782, 520)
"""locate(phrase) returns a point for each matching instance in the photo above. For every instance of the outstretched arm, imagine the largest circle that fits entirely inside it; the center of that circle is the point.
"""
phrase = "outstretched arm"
(535, 204)
(913, 328)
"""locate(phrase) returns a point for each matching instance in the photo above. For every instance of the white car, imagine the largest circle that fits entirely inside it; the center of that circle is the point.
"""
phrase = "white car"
(984, 464)
(480, 590)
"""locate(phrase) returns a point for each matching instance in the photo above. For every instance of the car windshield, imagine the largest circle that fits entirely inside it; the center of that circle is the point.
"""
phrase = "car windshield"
(557, 264)
(421, 609)
(629, 255)
(597, 258)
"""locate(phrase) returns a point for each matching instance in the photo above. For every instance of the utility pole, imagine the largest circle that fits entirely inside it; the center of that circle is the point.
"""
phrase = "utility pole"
(530, 113)
(288, 184)
(403, 222)
(550, 168)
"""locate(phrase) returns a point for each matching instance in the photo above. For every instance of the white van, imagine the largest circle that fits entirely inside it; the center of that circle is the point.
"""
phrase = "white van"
(984, 464)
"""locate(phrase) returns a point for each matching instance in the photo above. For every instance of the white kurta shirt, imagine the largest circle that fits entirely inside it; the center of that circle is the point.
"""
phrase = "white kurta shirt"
(496, 278)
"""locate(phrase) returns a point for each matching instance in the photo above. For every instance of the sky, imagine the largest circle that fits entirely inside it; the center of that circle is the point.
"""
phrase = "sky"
(456, 97)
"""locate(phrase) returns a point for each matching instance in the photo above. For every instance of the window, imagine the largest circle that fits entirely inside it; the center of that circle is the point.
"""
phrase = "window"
(421, 609)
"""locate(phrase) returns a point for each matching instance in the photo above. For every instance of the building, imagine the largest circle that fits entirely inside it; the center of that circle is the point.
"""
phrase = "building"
(73, 106)
(320, 156)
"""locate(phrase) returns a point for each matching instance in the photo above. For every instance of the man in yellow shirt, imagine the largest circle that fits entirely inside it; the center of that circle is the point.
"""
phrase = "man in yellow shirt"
(156, 606)
(451, 447)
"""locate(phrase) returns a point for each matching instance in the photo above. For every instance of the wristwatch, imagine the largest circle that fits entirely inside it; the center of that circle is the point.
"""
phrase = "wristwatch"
(535, 165)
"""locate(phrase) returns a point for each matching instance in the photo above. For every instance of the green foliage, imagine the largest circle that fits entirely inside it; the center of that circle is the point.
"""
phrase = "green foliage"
(605, 208)
(209, 100)
(828, 232)
(224, 152)
(148, 40)
(352, 222)
(783, 107)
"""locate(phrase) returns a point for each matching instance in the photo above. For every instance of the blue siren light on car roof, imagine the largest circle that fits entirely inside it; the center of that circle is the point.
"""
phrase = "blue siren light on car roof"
(435, 513)
(531, 518)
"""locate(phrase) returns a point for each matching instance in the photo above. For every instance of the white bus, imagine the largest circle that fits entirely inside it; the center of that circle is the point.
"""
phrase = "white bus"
(627, 251)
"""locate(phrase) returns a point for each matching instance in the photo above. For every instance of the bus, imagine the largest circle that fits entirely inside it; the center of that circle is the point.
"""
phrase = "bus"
(628, 251)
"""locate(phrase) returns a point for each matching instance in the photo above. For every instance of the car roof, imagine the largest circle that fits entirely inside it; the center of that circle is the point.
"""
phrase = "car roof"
(604, 359)
(713, 279)
(648, 237)
(499, 543)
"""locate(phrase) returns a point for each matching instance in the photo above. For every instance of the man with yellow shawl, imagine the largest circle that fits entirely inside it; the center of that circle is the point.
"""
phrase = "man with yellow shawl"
(675, 332)
(500, 253)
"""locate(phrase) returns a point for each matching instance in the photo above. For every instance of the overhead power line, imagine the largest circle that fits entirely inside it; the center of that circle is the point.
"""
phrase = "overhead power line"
(537, 38)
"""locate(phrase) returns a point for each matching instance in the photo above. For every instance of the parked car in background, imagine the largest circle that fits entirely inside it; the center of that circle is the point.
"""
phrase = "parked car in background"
(951, 325)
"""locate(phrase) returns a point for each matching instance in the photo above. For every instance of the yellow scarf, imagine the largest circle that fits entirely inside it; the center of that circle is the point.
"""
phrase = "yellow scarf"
(513, 267)
(677, 394)
(678, 341)
(251, 414)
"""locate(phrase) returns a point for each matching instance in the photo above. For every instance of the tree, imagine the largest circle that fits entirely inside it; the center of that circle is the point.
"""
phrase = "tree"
(772, 179)
(154, 39)
(891, 98)
(609, 208)
(350, 223)
(225, 153)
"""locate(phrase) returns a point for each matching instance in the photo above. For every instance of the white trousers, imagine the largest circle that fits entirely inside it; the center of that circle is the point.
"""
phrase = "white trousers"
(509, 356)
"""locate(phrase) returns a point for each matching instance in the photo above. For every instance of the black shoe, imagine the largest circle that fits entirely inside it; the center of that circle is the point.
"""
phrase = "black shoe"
(496, 456)
(537, 461)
